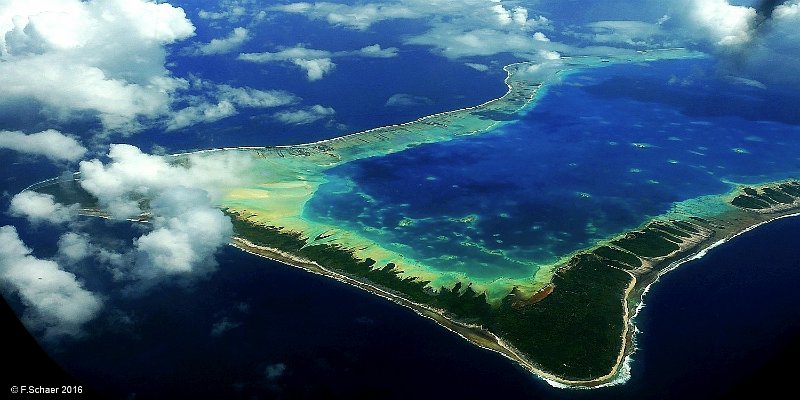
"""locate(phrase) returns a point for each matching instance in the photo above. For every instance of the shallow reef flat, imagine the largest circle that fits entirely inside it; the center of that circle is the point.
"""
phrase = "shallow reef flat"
(577, 329)
(292, 175)
(569, 321)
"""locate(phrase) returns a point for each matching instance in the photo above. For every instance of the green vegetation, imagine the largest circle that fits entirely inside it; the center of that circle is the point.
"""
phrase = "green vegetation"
(670, 229)
(745, 201)
(648, 242)
(685, 226)
(575, 331)
(69, 192)
(769, 196)
(467, 305)
(580, 323)
(619, 258)
(778, 196)
(791, 188)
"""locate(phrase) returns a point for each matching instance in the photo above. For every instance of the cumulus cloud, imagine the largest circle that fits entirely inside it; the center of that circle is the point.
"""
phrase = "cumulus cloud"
(773, 55)
(221, 101)
(132, 175)
(74, 247)
(201, 113)
(540, 37)
(225, 45)
(630, 33)
(316, 63)
(249, 97)
(504, 16)
(315, 68)
(453, 42)
(375, 51)
(761, 44)
(231, 10)
(55, 301)
(187, 232)
(458, 28)
(38, 207)
(358, 17)
(105, 58)
(187, 228)
(406, 100)
(50, 143)
(304, 116)
(481, 28)
(726, 24)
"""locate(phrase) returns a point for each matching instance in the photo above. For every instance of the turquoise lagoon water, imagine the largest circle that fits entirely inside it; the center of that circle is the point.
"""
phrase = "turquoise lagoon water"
(600, 153)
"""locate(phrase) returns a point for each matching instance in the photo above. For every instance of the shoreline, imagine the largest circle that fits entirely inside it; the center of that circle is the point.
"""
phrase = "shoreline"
(629, 347)
(632, 298)
(474, 334)
(565, 67)
(633, 303)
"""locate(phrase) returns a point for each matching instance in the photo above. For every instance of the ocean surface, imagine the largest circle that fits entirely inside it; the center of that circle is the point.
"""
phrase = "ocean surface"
(708, 330)
(255, 328)
(600, 154)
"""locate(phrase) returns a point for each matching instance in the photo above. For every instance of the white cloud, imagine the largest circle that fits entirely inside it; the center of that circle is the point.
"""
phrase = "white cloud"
(223, 103)
(478, 67)
(101, 57)
(458, 28)
(50, 143)
(631, 33)
(225, 45)
(187, 232)
(773, 55)
(316, 63)
(286, 54)
(375, 51)
(454, 43)
(55, 301)
(231, 10)
(549, 55)
(355, 17)
(201, 113)
(315, 68)
(74, 247)
(131, 175)
(38, 207)
(787, 10)
(520, 16)
(502, 14)
(305, 116)
(540, 37)
(187, 228)
(254, 98)
(406, 100)
(749, 45)
(726, 24)
(482, 28)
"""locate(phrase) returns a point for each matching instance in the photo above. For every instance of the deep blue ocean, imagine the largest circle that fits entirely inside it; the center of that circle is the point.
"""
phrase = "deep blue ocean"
(708, 330)
(598, 155)
(711, 328)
